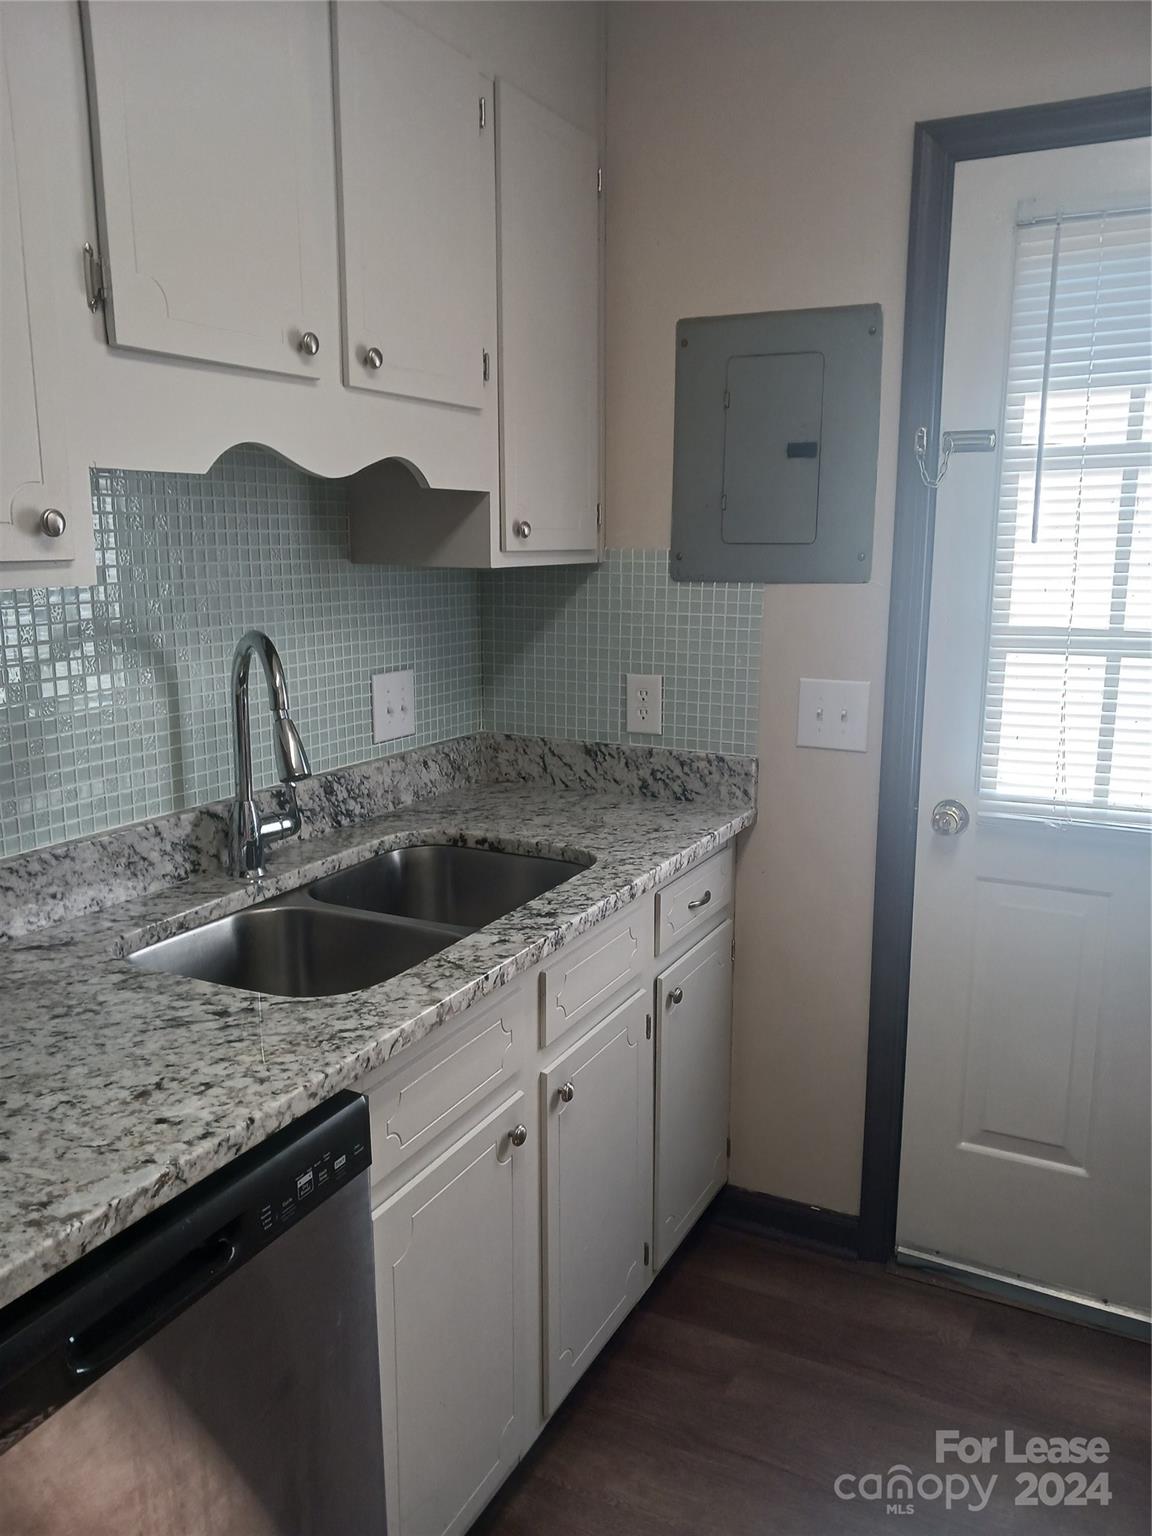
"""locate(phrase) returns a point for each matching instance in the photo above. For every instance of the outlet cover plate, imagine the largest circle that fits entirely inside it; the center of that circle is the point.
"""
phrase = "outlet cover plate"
(833, 714)
(644, 703)
(393, 705)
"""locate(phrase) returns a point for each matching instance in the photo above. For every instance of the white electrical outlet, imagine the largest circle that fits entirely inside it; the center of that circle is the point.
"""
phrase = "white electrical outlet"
(644, 695)
(393, 705)
(833, 714)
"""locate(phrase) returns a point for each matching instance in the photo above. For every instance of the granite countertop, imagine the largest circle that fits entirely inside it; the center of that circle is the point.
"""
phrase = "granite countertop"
(120, 1088)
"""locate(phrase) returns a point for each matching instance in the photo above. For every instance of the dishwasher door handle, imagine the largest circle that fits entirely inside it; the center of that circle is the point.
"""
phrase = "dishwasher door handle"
(134, 1320)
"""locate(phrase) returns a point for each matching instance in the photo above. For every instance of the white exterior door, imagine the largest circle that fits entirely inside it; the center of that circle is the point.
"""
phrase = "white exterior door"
(418, 211)
(549, 328)
(212, 138)
(1026, 1139)
(455, 1280)
(693, 1074)
(597, 1113)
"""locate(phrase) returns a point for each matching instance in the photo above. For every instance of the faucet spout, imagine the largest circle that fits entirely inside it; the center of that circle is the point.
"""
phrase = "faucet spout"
(248, 830)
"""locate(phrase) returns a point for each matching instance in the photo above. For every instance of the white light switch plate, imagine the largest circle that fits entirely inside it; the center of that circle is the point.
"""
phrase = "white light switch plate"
(833, 714)
(393, 705)
(644, 696)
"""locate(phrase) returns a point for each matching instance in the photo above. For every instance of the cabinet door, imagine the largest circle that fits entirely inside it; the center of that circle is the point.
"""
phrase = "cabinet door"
(417, 198)
(212, 143)
(454, 1287)
(693, 1077)
(597, 1109)
(549, 328)
(36, 474)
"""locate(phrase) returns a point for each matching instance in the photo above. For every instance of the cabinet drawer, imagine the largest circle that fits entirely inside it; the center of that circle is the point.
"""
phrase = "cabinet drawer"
(578, 980)
(411, 1106)
(693, 900)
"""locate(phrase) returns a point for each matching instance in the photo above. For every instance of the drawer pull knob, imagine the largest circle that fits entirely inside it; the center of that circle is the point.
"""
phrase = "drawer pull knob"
(568, 1092)
(701, 901)
(518, 1136)
(52, 522)
(309, 343)
(373, 358)
(675, 996)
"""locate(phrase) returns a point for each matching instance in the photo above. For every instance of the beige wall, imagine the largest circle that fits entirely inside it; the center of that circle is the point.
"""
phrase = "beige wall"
(759, 157)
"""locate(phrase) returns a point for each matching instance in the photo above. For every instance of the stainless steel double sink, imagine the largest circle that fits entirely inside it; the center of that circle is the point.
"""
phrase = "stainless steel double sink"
(351, 930)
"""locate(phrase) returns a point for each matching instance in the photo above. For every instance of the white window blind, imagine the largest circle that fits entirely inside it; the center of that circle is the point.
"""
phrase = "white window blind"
(1068, 696)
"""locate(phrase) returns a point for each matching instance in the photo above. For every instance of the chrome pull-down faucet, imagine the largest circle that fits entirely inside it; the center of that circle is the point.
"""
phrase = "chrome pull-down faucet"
(248, 830)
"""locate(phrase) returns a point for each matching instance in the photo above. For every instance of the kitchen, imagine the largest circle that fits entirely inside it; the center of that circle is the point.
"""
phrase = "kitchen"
(285, 365)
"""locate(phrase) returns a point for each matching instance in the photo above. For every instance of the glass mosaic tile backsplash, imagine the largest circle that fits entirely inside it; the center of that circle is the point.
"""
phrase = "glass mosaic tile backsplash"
(114, 701)
(558, 641)
(114, 698)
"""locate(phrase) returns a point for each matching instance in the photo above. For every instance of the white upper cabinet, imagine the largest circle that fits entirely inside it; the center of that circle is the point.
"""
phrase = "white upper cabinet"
(45, 505)
(549, 328)
(211, 148)
(417, 209)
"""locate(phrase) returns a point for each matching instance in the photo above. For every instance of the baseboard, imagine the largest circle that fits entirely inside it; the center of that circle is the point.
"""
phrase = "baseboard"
(771, 1216)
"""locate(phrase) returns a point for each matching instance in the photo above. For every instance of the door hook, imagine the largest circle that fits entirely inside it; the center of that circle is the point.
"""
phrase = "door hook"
(950, 443)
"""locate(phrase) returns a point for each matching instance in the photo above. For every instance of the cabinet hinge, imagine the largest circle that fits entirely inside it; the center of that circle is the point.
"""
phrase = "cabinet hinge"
(733, 949)
(483, 114)
(724, 501)
(648, 1027)
(94, 284)
(728, 1146)
(599, 180)
(486, 366)
(727, 399)
(647, 1255)
(599, 515)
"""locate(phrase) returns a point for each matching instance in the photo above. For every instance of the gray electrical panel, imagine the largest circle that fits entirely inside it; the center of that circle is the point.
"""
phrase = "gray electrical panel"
(774, 462)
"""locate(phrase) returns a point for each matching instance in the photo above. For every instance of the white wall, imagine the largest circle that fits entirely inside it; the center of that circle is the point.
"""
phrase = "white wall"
(551, 49)
(759, 157)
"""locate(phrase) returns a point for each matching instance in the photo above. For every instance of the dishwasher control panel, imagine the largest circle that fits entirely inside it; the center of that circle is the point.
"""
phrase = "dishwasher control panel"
(323, 1165)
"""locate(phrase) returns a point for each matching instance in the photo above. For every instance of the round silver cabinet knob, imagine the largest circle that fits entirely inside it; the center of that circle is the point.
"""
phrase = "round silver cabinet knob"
(568, 1092)
(522, 529)
(675, 996)
(52, 523)
(950, 818)
(373, 358)
(518, 1135)
(309, 343)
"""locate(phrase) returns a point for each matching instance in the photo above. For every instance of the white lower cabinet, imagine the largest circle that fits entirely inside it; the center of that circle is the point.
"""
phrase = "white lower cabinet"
(529, 1186)
(597, 1143)
(456, 1310)
(693, 1076)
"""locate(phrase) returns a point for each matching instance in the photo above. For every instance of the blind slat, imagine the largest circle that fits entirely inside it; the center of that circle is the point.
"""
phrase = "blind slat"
(1067, 725)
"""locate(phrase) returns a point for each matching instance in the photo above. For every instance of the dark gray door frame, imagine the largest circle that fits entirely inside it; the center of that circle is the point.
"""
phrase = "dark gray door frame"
(939, 146)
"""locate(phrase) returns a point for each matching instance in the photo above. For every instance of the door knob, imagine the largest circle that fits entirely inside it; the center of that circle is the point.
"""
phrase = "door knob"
(373, 358)
(568, 1092)
(949, 818)
(309, 343)
(52, 523)
(518, 1135)
(675, 996)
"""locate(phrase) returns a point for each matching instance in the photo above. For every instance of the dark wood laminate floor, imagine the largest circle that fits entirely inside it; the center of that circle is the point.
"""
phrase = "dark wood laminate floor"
(754, 1373)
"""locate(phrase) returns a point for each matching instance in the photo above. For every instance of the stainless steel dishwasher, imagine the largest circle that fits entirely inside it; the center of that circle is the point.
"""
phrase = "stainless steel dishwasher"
(213, 1370)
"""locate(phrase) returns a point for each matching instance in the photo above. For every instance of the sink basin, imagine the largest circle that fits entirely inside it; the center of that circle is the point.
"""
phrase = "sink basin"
(295, 951)
(464, 887)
